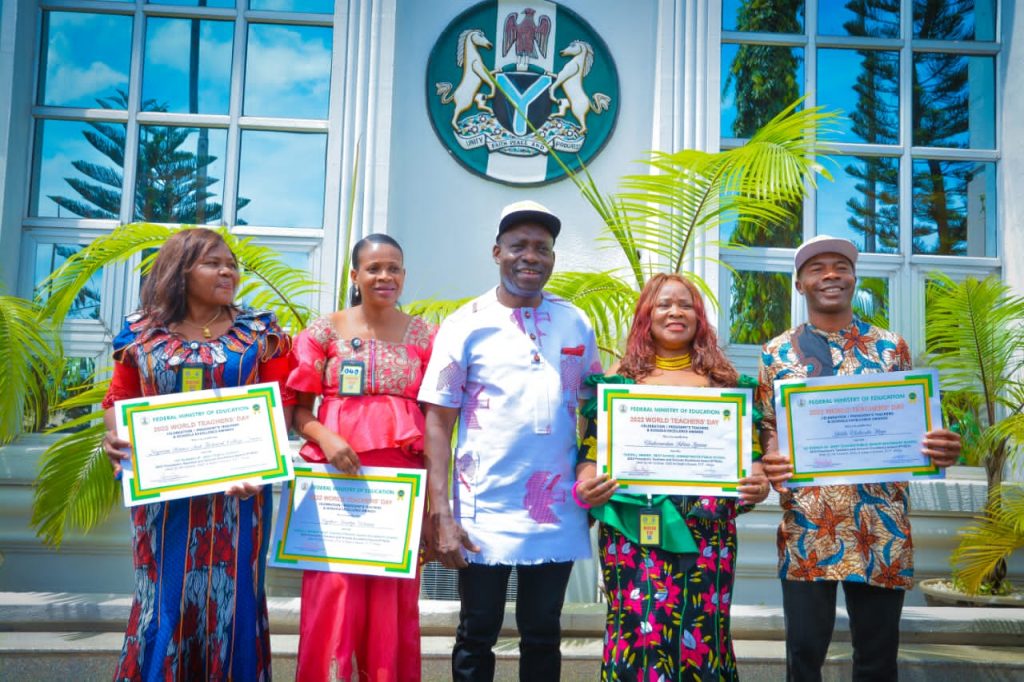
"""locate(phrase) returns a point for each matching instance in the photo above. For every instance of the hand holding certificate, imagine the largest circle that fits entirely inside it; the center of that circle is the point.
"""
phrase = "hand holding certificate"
(679, 440)
(367, 523)
(186, 444)
(863, 428)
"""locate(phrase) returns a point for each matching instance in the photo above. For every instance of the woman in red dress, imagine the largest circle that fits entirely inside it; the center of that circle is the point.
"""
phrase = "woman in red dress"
(367, 625)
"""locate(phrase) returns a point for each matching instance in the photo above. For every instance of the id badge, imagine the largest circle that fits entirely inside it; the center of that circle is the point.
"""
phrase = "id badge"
(352, 377)
(192, 377)
(650, 527)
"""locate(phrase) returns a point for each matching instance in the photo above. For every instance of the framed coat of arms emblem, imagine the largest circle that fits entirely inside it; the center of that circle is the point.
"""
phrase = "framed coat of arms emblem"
(515, 90)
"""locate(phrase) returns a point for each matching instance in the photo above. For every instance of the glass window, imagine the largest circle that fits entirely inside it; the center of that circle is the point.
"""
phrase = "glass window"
(954, 207)
(196, 3)
(49, 257)
(772, 16)
(313, 6)
(954, 100)
(862, 203)
(77, 169)
(759, 305)
(868, 18)
(187, 66)
(85, 60)
(758, 81)
(871, 300)
(785, 234)
(955, 19)
(865, 85)
(79, 374)
(282, 174)
(288, 71)
(179, 178)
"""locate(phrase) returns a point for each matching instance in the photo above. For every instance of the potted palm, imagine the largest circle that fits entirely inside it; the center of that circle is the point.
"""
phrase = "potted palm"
(975, 335)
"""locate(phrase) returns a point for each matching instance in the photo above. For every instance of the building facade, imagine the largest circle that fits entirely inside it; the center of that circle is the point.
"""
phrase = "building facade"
(287, 119)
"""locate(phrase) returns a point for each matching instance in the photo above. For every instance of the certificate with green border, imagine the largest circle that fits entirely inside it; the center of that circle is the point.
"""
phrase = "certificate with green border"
(860, 428)
(186, 444)
(368, 523)
(678, 440)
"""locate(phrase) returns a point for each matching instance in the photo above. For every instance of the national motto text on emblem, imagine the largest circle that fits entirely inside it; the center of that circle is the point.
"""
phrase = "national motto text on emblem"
(516, 89)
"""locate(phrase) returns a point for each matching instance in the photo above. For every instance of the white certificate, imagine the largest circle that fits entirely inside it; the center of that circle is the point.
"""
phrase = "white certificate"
(186, 444)
(367, 523)
(678, 440)
(861, 428)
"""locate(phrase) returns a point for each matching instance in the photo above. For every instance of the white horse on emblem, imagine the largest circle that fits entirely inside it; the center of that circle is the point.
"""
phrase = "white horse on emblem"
(474, 75)
(570, 79)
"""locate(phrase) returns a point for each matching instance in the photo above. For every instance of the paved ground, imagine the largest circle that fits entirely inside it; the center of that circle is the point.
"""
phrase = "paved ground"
(61, 636)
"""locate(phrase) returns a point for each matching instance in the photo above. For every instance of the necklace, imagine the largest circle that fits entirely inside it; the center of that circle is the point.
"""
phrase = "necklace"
(680, 362)
(207, 334)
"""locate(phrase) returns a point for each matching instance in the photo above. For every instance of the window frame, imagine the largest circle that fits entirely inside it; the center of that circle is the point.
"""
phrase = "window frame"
(907, 271)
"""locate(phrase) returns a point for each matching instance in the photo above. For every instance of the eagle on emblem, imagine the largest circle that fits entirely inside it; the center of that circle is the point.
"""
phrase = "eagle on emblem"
(527, 36)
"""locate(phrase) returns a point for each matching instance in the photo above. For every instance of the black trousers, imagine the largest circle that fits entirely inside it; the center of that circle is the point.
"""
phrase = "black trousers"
(810, 612)
(538, 613)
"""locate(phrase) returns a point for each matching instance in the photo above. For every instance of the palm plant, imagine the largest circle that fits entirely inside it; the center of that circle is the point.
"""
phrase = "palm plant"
(74, 488)
(975, 335)
(31, 349)
(658, 216)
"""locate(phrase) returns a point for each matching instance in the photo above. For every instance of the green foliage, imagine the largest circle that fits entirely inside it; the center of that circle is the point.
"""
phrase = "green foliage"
(975, 332)
(760, 306)
(989, 540)
(607, 301)
(75, 488)
(31, 351)
(434, 310)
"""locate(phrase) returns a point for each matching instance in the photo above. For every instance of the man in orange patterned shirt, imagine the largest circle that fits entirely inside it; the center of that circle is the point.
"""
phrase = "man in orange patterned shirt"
(856, 535)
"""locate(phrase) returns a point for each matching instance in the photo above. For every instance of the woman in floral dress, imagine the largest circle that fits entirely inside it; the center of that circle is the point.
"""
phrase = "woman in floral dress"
(199, 611)
(668, 605)
(356, 625)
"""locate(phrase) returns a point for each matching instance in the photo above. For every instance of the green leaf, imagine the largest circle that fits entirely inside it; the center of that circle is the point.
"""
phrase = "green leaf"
(75, 487)
(32, 356)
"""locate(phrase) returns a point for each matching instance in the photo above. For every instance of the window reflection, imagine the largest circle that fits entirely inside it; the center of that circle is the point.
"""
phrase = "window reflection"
(85, 58)
(179, 175)
(871, 300)
(954, 207)
(759, 306)
(774, 16)
(77, 169)
(187, 64)
(955, 19)
(48, 258)
(78, 374)
(865, 84)
(868, 18)
(288, 71)
(954, 100)
(196, 3)
(312, 6)
(862, 203)
(759, 82)
(284, 175)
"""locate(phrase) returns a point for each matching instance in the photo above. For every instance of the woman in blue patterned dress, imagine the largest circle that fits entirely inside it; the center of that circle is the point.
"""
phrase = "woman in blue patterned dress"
(668, 605)
(199, 611)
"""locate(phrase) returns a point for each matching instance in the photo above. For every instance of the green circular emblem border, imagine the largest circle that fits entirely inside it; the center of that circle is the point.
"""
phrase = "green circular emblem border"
(575, 161)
